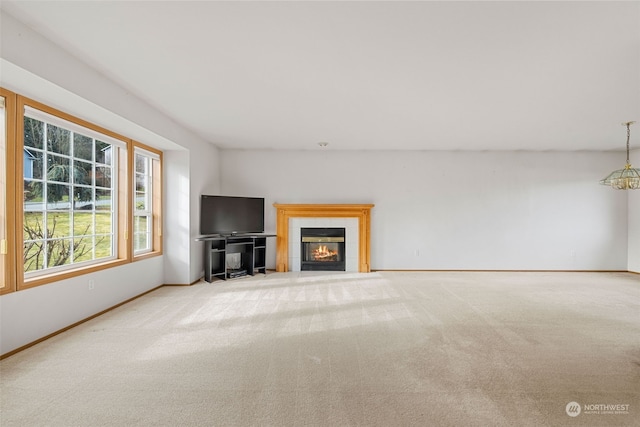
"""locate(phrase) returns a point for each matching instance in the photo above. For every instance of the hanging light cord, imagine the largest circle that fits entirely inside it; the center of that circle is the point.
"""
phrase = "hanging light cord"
(628, 124)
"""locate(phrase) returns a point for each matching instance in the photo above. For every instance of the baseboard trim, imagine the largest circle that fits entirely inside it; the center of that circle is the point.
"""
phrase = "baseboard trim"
(198, 280)
(73, 325)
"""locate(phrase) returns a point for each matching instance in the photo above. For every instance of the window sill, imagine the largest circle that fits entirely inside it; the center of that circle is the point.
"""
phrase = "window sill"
(146, 255)
(49, 278)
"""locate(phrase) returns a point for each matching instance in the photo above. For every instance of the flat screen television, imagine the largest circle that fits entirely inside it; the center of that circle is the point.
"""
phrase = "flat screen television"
(229, 215)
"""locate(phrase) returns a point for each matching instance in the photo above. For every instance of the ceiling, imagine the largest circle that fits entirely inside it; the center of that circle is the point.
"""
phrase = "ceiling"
(367, 75)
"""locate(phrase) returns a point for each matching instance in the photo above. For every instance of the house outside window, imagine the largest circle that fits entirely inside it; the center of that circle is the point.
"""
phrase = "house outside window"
(27, 159)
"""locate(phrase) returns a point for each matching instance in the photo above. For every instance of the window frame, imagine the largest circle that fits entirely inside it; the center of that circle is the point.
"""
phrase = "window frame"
(49, 209)
(7, 232)
(122, 253)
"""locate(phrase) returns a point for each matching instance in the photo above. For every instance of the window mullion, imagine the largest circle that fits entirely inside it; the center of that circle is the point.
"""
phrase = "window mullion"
(72, 199)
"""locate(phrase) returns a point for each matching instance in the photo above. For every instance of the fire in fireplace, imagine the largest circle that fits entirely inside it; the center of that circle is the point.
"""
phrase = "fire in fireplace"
(322, 249)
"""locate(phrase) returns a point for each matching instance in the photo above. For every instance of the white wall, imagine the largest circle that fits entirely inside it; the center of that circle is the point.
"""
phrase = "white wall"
(176, 215)
(634, 221)
(187, 175)
(455, 210)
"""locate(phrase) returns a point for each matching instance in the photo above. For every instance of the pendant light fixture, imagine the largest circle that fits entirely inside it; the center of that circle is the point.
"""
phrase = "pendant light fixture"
(627, 178)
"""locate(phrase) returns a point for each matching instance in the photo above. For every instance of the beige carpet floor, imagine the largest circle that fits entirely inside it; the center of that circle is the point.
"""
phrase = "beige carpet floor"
(344, 349)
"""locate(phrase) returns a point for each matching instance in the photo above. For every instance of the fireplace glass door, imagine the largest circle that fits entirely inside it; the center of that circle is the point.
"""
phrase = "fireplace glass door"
(322, 249)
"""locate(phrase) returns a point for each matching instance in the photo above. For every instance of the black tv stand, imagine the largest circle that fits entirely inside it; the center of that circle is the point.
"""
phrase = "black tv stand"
(234, 256)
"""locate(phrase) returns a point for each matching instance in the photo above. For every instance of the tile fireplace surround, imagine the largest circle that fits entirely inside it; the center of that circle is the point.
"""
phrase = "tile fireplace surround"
(286, 212)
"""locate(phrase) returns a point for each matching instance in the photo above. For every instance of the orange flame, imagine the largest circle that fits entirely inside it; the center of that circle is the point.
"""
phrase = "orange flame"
(323, 252)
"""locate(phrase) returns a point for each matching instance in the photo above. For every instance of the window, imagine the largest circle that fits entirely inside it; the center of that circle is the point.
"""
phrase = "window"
(70, 187)
(142, 213)
(72, 193)
(74, 197)
(146, 206)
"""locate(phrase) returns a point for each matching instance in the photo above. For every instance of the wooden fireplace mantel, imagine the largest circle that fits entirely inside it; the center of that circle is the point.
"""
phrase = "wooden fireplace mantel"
(284, 212)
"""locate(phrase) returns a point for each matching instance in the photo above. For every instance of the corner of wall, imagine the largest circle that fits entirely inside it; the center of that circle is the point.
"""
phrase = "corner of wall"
(204, 178)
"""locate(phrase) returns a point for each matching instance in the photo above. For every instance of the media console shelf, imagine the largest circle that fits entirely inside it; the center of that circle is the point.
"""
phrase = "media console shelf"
(231, 257)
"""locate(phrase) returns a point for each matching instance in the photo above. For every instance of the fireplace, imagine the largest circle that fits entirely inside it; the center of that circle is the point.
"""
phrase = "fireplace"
(322, 249)
(356, 218)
